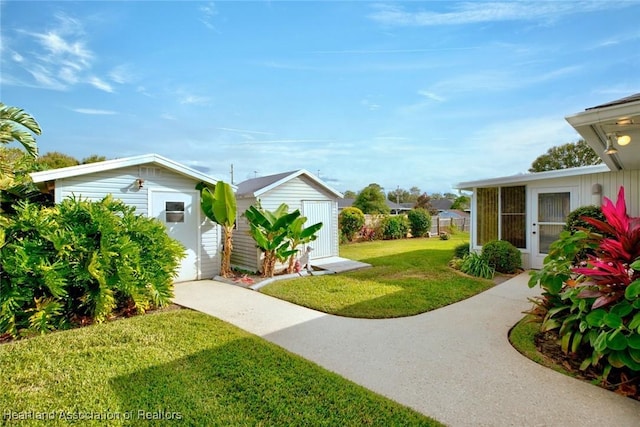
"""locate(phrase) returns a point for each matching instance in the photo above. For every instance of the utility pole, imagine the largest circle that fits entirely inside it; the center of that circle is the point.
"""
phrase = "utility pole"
(231, 173)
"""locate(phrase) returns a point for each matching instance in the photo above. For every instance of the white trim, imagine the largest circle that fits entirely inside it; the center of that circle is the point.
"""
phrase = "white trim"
(296, 174)
(529, 177)
(53, 174)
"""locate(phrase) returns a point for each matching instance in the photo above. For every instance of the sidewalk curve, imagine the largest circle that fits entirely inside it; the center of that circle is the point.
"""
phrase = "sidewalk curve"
(454, 364)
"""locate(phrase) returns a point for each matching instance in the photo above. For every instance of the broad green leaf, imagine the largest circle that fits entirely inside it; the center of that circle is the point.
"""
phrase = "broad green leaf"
(612, 320)
(635, 265)
(634, 340)
(617, 341)
(622, 309)
(629, 361)
(615, 359)
(596, 317)
(549, 325)
(564, 342)
(633, 290)
(634, 353)
(224, 205)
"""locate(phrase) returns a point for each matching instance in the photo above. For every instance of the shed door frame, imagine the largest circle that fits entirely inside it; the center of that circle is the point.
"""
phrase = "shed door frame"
(326, 230)
(195, 210)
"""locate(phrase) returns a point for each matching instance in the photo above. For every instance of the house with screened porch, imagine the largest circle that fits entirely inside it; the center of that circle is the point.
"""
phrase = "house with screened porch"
(530, 210)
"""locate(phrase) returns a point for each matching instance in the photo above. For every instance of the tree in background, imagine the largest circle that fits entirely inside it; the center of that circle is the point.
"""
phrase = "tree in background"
(56, 160)
(350, 194)
(462, 202)
(94, 158)
(400, 195)
(424, 202)
(371, 200)
(566, 156)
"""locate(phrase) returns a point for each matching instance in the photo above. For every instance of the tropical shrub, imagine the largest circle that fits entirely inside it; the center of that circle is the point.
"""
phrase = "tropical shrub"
(576, 221)
(80, 262)
(502, 256)
(351, 220)
(475, 265)
(420, 222)
(461, 250)
(595, 306)
(394, 227)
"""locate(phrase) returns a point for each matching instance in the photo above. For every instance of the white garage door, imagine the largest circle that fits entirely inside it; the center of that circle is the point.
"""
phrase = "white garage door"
(320, 211)
(179, 212)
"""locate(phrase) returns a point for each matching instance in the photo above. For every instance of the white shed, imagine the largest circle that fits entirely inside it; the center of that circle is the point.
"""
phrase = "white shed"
(157, 187)
(299, 190)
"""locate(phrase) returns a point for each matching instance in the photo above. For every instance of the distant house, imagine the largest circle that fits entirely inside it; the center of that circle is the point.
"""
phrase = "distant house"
(530, 210)
(299, 190)
(157, 187)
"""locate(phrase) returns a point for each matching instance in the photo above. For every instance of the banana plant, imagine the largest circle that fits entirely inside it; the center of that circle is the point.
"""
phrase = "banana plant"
(298, 235)
(270, 230)
(219, 205)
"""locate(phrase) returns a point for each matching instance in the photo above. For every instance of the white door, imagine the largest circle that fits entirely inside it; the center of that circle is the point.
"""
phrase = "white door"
(179, 212)
(320, 211)
(550, 208)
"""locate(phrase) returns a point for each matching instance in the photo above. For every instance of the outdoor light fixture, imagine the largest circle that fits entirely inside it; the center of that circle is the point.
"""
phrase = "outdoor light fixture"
(139, 183)
(610, 149)
(623, 139)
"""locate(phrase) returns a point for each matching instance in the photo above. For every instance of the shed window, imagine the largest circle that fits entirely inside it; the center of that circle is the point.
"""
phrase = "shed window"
(501, 215)
(174, 211)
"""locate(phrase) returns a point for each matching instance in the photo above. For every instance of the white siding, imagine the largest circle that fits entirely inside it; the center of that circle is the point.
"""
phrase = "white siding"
(245, 255)
(121, 183)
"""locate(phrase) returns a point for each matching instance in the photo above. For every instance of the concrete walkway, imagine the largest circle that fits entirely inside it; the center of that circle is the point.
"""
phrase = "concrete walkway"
(454, 364)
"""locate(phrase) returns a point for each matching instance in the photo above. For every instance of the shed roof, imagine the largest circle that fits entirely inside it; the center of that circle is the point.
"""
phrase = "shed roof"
(71, 171)
(528, 177)
(255, 187)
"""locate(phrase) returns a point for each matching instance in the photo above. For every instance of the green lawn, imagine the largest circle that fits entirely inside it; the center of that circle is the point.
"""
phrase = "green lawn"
(183, 366)
(408, 277)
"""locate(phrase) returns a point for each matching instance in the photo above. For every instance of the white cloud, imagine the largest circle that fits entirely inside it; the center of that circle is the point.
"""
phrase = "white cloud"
(208, 13)
(100, 84)
(93, 111)
(480, 12)
(121, 74)
(431, 95)
(194, 100)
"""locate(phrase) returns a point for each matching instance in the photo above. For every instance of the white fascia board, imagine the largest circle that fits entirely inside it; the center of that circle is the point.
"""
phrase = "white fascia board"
(54, 174)
(528, 177)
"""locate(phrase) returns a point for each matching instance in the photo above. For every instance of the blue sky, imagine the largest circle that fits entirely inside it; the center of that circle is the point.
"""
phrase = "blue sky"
(406, 94)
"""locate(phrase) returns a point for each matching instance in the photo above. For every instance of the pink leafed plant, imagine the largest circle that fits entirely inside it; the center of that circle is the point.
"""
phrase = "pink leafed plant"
(609, 271)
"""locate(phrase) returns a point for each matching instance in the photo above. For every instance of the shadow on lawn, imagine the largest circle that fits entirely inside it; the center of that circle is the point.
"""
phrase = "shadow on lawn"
(244, 382)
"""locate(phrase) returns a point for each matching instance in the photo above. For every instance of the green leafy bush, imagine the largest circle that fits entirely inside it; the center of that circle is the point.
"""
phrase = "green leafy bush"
(575, 219)
(502, 256)
(444, 236)
(420, 222)
(461, 250)
(351, 221)
(595, 306)
(475, 265)
(80, 262)
(394, 227)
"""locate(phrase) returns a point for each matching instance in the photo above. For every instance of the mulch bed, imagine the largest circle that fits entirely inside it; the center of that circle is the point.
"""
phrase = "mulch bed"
(620, 381)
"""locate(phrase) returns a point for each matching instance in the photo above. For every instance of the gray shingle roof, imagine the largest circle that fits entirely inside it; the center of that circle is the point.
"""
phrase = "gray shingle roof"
(250, 186)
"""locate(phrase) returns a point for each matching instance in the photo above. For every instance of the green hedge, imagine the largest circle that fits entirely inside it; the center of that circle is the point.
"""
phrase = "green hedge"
(81, 262)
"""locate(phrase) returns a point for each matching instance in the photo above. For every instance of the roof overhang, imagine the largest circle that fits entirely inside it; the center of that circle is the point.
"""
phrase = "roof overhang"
(524, 178)
(598, 124)
(296, 174)
(68, 172)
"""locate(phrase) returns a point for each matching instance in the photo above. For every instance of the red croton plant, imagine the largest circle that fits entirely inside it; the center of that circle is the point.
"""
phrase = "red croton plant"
(609, 272)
